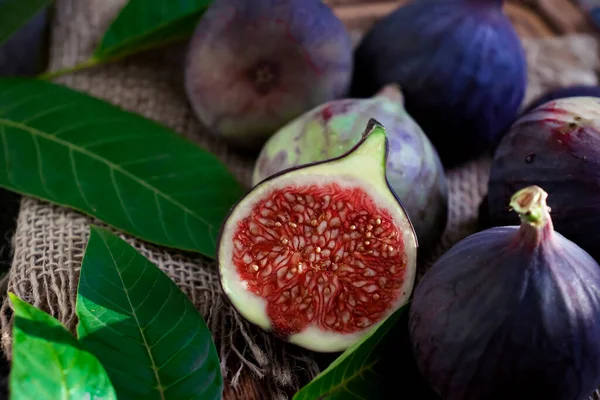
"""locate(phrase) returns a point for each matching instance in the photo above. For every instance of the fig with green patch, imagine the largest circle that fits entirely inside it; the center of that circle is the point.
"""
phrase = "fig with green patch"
(413, 167)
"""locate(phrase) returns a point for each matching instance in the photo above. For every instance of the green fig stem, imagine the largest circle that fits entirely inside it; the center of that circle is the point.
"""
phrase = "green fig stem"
(536, 224)
(530, 204)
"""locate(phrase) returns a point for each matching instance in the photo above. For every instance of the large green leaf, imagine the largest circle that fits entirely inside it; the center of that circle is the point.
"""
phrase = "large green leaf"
(48, 362)
(136, 175)
(144, 24)
(16, 13)
(145, 331)
(354, 374)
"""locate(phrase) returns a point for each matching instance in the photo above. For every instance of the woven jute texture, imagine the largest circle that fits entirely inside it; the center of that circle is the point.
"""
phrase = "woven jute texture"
(50, 240)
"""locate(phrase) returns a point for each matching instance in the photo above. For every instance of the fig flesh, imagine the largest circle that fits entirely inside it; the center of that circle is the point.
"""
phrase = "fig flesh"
(556, 146)
(254, 65)
(413, 166)
(511, 312)
(461, 67)
(320, 254)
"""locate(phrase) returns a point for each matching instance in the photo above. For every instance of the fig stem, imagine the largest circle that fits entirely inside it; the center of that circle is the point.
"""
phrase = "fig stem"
(530, 204)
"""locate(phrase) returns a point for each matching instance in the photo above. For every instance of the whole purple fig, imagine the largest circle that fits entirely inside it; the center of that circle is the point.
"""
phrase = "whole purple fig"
(511, 312)
(254, 65)
(556, 146)
(413, 167)
(461, 67)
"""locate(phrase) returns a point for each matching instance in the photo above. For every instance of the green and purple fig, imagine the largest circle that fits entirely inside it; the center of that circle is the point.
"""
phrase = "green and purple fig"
(252, 66)
(413, 168)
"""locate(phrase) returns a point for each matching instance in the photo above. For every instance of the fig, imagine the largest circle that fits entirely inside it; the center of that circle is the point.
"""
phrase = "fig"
(252, 66)
(413, 166)
(321, 254)
(559, 93)
(461, 67)
(555, 146)
(510, 312)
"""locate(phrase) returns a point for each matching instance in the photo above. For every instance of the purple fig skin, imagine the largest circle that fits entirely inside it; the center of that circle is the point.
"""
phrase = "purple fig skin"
(510, 313)
(560, 93)
(555, 146)
(461, 67)
(252, 66)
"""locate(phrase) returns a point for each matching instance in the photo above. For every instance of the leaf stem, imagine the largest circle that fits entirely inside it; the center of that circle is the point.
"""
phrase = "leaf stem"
(91, 62)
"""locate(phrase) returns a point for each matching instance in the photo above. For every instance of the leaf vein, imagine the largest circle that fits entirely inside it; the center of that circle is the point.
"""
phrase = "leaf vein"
(171, 329)
(108, 163)
(78, 183)
(83, 124)
(6, 157)
(14, 105)
(117, 139)
(120, 198)
(358, 372)
(188, 229)
(146, 345)
(46, 111)
(144, 160)
(161, 219)
(140, 275)
(38, 156)
(148, 293)
(181, 348)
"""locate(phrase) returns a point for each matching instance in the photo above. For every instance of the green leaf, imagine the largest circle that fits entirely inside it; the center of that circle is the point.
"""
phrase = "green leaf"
(353, 375)
(145, 24)
(143, 328)
(48, 362)
(77, 151)
(16, 13)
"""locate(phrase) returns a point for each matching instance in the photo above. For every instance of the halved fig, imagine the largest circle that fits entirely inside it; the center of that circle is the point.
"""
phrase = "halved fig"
(322, 253)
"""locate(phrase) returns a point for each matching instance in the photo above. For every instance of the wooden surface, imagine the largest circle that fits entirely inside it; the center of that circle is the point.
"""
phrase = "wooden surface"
(531, 18)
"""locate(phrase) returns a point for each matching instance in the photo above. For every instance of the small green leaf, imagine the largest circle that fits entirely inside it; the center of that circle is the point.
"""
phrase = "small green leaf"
(16, 13)
(145, 24)
(48, 362)
(143, 328)
(74, 150)
(353, 375)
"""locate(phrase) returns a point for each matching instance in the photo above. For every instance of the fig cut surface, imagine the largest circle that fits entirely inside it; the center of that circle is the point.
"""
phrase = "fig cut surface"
(321, 254)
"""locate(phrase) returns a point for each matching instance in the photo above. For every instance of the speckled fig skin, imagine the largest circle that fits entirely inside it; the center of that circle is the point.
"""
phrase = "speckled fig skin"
(252, 66)
(556, 146)
(510, 312)
(461, 67)
(413, 166)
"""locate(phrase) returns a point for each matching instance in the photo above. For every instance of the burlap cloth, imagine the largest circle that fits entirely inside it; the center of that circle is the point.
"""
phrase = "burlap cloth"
(49, 240)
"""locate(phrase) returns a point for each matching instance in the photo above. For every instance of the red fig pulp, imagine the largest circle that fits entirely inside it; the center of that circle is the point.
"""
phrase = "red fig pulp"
(510, 313)
(321, 253)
